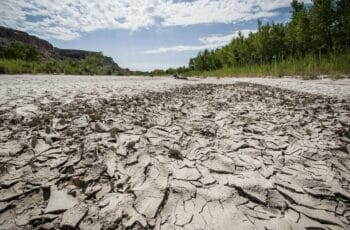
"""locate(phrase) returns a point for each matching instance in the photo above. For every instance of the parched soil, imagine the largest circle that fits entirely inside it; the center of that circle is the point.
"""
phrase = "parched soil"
(201, 156)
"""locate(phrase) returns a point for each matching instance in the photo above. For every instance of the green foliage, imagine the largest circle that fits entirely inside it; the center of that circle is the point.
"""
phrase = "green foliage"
(308, 67)
(15, 62)
(51, 66)
(92, 64)
(139, 73)
(13, 66)
(158, 72)
(19, 51)
(316, 35)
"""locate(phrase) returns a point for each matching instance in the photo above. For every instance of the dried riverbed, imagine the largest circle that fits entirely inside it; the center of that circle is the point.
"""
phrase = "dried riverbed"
(142, 153)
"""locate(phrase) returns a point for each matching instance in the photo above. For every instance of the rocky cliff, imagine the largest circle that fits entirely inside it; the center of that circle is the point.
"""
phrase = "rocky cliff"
(48, 51)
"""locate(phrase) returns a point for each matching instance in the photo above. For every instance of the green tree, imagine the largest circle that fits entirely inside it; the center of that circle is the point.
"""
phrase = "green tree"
(342, 24)
(321, 18)
(92, 63)
(298, 30)
(21, 52)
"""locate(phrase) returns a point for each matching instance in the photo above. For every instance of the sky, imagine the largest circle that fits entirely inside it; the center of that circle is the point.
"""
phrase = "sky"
(141, 34)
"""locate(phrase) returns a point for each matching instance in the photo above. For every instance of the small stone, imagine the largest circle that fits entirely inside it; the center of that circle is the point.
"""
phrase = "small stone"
(175, 154)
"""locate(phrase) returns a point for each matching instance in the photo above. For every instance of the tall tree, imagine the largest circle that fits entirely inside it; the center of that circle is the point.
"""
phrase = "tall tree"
(321, 17)
(342, 28)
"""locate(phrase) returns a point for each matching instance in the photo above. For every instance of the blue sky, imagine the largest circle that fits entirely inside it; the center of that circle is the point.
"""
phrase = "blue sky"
(141, 34)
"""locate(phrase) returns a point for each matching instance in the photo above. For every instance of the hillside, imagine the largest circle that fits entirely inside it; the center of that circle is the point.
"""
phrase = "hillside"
(49, 53)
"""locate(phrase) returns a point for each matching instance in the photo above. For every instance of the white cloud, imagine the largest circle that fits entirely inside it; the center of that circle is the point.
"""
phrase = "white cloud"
(209, 42)
(152, 66)
(67, 19)
(224, 39)
(178, 49)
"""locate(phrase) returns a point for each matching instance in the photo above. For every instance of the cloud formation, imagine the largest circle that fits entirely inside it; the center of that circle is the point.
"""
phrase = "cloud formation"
(209, 42)
(67, 19)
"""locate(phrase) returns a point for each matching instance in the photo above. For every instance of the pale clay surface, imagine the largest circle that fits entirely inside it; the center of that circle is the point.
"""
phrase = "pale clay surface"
(25, 87)
(160, 153)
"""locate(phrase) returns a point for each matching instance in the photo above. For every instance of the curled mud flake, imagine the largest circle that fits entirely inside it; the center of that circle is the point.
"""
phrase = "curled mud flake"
(27, 110)
(113, 133)
(42, 219)
(118, 208)
(60, 124)
(130, 145)
(190, 174)
(202, 156)
(100, 127)
(11, 148)
(50, 139)
(151, 194)
(276, 200)
(59, 201)
(14, 193)
(320, 216)
(220, 164)
(111, 162)
(238, 145)
(73, 216)
(224, 215)
(106, 189)
(6, 205)
(208, 131)
(34, 140)
(81, 122)
(33, 122)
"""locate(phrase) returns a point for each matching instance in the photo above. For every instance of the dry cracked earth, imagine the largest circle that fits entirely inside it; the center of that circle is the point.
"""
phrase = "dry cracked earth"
(235, 156)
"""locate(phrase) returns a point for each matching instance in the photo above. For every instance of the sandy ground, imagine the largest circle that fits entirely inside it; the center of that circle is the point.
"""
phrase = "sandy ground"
(160, 153)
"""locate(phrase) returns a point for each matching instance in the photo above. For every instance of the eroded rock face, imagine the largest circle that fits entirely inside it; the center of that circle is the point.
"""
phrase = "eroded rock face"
(239, 156)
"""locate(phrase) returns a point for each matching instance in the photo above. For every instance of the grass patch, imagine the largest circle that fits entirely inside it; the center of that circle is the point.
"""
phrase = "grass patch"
(10, 66)
(309, 68)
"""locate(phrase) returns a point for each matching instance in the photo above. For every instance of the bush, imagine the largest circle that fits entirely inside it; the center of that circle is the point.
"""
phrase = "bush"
(13, 61)
(22, 52)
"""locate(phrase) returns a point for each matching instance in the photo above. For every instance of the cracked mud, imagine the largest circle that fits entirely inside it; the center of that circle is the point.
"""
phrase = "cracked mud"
(239, 156)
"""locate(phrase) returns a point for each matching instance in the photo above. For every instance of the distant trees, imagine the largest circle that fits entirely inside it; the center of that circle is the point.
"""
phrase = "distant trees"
(92, 63)
(19, 58)
(342, 22)
(21, 52)
(321, 28)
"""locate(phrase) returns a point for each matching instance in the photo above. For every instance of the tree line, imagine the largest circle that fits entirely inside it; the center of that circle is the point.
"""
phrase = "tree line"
(19, 58)
(319, 29)
(20, 51)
